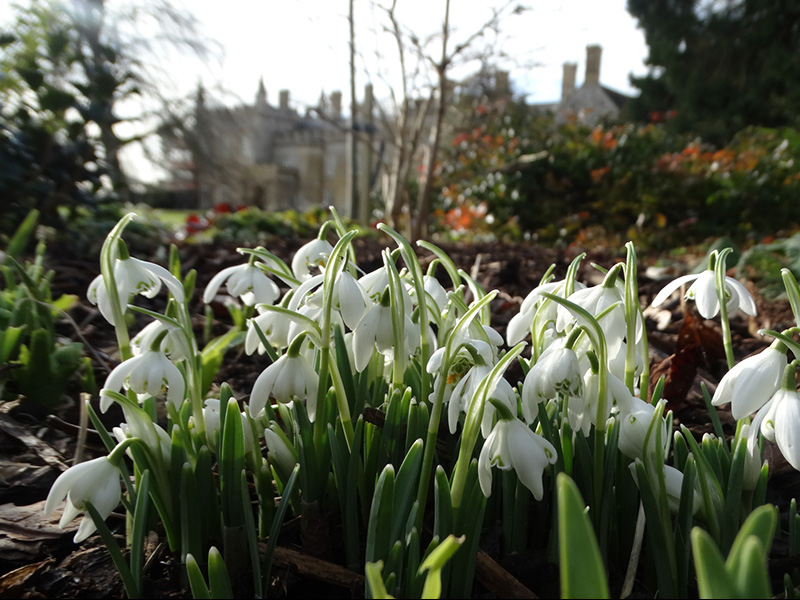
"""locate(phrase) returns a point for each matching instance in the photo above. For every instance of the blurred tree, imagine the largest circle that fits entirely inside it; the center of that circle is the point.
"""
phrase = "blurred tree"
(66, 68)
(721, 65)
(416, 119)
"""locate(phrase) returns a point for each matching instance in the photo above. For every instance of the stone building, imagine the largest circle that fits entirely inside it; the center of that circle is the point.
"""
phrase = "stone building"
(272, 157)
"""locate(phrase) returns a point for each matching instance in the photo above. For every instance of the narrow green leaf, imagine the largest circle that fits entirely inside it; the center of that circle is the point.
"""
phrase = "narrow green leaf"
(218, 579)
(380, 517)
(582, 570)
(712, 577)
(197, 582)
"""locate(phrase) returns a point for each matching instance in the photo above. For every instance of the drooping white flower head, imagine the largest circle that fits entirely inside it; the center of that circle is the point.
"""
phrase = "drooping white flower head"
(463, 392)
(781, 424)
(704, 292)
(247, 282)
(96, 481)
(751, 383)
(582, 410)
(556, 371)
(132, 276)
(174, 343)
(273, 325)
(313, 254)
(374, 332)
(513, 445)
(633, 426)
(146, 373)
(536, 306)
(288, 379)
(349, 298)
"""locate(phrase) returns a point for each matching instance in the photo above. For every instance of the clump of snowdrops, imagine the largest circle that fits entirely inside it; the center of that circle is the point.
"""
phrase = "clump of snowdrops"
(386, 407)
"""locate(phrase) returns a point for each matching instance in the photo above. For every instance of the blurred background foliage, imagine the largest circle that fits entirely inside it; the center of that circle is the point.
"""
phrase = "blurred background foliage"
(702, 152)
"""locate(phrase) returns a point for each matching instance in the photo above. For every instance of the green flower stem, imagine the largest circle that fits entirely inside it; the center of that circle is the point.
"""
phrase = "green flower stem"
(108, 255)
(333, 268)
(632, 313)
(793, 292)
(436, 410)
(414, 268)
(598, 339)
(472, 424)
(719, 279)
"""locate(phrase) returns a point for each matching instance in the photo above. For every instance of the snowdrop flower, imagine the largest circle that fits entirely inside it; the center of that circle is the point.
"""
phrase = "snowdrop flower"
(132, 276)
(288, 379)
(582, 410)
(280, 451)
(350, 298)
(273, 325)
(673, 478)
(533, 307)
(173, 344)
(211, 415)
(633, 426)
(595, 300)
(374, 331)
(311, 254)
(436, 291)
(512, 445)
(752, 382)
(247, 282)
(96, 481)
(463, 393)
(781, 424)
(147, 373)
(557, 371)
(704, 292)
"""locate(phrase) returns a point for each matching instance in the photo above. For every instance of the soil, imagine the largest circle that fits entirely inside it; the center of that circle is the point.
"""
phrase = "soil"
(39, 560)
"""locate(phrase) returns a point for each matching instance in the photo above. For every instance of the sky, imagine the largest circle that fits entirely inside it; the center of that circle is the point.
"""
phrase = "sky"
(303, 46)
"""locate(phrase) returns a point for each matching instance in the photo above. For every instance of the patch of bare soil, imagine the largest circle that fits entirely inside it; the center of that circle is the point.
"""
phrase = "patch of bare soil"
(38, 560)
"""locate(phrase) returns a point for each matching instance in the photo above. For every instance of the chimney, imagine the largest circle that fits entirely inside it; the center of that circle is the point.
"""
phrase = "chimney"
(501, 85)
(593, 53)
(336, 105)
(284, 99)
(568, 80)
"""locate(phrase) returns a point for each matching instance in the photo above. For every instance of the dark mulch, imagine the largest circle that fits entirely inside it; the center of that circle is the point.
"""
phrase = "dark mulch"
(37, 560)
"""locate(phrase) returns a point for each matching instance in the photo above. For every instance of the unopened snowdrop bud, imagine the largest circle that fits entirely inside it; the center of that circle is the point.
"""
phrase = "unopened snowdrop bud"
(280, 451)
(633, 427)
(147, 373)
(752, 382)
(96, 481)
(247, 282)
(753, 461)
(673, 479)
(313, 254)
(288, 379)
(557, 371)
(513, 445)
